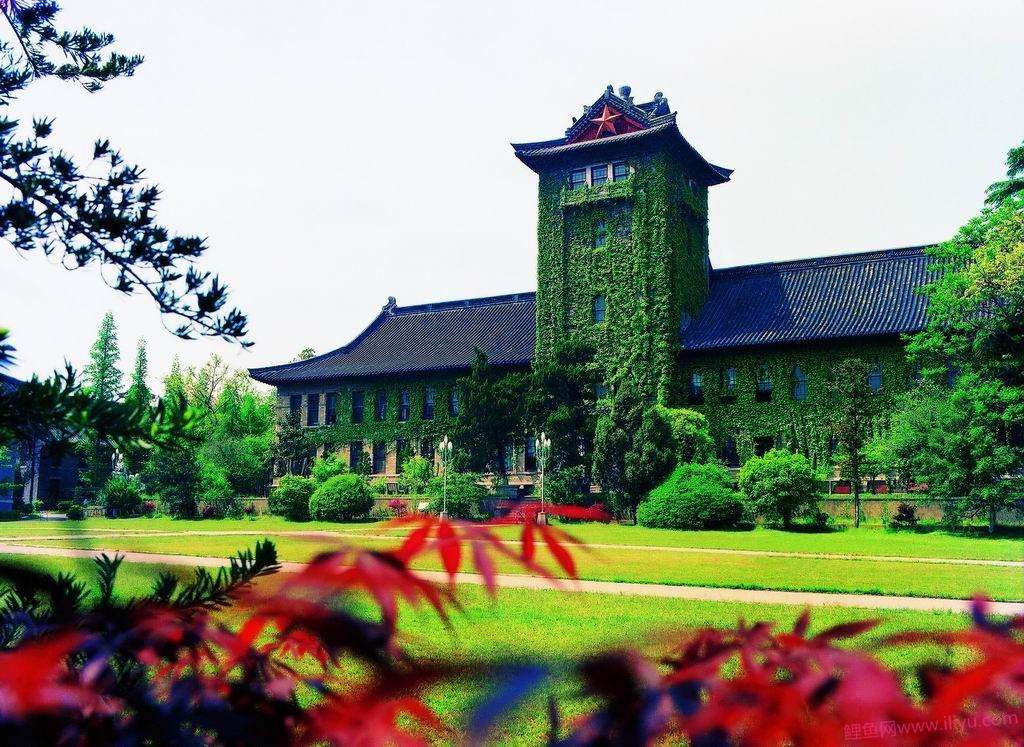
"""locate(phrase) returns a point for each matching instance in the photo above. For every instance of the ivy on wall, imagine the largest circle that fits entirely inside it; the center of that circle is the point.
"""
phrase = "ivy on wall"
(804, 426)
(650, 268)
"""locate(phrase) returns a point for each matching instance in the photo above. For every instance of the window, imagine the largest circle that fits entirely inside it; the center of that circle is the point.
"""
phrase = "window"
(312, 409)
(577, 178)
(799, 384)
(403, 405)
(401, 454)
(380, 457)
(453, 402)
(696, 388)
(602, 391)
(331, 408)
(875, 377)
(355, 455)
(510, 458)
(427, 449)
(600, 233)
(620, 171)
(730, 454)
(599, 174)
(428, 403)
(380, 408)
(531, 455)
(295, 404)
(600, 309)
(763, 392)
(358, 405)
(763, 445)
(729, 383)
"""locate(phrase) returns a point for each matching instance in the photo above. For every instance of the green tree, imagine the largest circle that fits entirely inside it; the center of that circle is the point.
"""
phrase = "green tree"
(780, 486)
(695, 496)
(139, 397)
(239, 437)
(855, 413)
(175, 474)
(691, 434)
(491, 416)
(416, 475)
(1013, 184)
(102, 375)
(633, 450)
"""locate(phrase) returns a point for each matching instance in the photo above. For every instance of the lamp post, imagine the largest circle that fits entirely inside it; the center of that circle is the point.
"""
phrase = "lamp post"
(543, 452)
(445, 450)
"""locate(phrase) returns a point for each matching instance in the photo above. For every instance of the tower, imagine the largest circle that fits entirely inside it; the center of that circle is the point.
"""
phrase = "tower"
(622, 237)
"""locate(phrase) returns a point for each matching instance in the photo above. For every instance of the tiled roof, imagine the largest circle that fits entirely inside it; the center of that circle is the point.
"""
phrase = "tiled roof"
(429, 337)
(8, 383)
(844, 296)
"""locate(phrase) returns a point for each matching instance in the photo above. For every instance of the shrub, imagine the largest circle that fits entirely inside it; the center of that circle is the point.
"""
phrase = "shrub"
(398, 507)
(568, 486)
(148, 508)
(10, 515)
(219, 498)
(122, 496)
(290, 498)
(905, 517)
(341, 498)
(75, 513)
(65, 506)
(780, 486)
(378, 486)
(695, 496)
(416, 475)
(327, 467)
(465, 496)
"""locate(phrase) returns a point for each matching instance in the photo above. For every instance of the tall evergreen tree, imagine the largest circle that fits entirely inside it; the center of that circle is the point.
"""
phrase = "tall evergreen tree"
(856, 409)
(102, 375)
(139, 393)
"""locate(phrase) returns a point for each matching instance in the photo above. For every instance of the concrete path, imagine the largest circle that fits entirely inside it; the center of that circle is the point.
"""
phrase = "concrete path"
(329, 535)
(711, 594)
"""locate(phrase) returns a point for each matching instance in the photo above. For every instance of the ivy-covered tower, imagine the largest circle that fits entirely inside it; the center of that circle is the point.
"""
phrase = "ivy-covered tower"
(622, 229)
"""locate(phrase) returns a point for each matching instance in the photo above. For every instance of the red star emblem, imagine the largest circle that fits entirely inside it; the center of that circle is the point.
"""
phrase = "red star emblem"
(606, 122)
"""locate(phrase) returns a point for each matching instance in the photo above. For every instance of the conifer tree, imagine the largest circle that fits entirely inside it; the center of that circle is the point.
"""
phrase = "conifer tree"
(138, 392)
(102, 375)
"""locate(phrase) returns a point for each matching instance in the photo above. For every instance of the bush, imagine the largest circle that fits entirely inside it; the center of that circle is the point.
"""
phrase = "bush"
(465, 496)
(10, 515)
(398, 507)
(780, 486)
(148, 508)
(567, 487)
(75, 513)
(905, 517)
(416, 475)
(122, 496)
(326, 467)
(290, 498)
(378, 486)
(341, 498)
(220, 499)
(65, 506)
(695, 496)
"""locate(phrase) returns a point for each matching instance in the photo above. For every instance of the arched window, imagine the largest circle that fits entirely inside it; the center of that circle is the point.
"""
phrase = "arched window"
(799, 384)
(600, 308)
(875, 377)
(763, 393)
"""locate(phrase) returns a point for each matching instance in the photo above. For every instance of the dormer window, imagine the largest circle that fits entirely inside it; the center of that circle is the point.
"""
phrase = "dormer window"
(599, 174)
(620, 171)
(600, 233)
(577, 178)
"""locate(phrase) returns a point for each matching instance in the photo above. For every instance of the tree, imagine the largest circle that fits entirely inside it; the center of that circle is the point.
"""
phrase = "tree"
(856, 409)
(780, 486)
(691, 434)
(305, 354)
(1013, 184)
(695, 496)
(416, 475)
(239, 436)
(491, 415)
(102, 215)
(633, 449)
(139, 397)
(102, 376)
(175, 474)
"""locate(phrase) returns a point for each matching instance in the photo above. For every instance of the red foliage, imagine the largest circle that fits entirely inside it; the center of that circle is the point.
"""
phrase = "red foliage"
(170, 670)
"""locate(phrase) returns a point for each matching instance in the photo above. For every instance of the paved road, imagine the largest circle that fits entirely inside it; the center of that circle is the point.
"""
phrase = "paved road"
(714, 594)
(328, 535)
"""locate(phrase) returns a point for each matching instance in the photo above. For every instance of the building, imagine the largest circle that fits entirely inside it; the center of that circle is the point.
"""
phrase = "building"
(623, 261)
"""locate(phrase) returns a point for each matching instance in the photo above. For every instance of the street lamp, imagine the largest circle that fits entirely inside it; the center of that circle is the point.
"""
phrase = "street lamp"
(445, 450)
(543, 452)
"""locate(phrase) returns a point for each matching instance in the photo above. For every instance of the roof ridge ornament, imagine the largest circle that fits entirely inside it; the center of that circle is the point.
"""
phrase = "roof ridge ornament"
(390, 306)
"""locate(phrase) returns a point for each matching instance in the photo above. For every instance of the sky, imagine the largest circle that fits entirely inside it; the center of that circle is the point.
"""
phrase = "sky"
(337, 153)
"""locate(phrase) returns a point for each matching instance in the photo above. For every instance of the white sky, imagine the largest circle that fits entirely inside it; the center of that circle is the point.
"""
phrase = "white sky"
(336, 153)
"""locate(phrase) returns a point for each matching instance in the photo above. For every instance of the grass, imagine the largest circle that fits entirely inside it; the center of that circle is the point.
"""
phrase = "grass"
(930, 543)
(651, 565)
(558, 626)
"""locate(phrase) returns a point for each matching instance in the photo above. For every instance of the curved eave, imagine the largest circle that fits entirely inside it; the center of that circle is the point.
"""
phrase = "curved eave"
(539, 156)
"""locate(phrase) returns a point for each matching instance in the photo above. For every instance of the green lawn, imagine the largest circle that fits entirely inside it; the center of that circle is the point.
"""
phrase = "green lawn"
(652, 565)
(865, 541)
(554, 625)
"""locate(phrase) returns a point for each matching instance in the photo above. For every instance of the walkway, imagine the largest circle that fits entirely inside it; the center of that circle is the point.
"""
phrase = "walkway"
(329, 535)
(712, 594)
